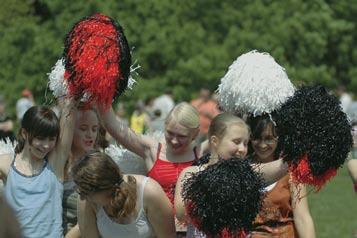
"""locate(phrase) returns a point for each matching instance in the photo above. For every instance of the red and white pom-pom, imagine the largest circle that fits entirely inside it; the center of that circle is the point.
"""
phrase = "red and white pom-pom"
(57, 84)
(255, 83)
(97, 60)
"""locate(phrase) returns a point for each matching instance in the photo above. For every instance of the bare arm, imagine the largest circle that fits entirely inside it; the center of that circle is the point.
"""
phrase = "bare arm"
(87, 220)
(67, 123)
(302, 218)
(179, 202)
(159, 210)
(7, 125)
(272, 171)
(352, 169)
(138, 144)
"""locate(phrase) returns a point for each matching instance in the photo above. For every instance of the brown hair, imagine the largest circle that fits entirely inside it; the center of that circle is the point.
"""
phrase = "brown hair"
(38, 121)
(221, 122)
(97, 172)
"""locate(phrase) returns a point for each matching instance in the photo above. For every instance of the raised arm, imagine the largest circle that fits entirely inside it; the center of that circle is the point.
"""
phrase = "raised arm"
(159, 210)
(136, 143)
(67, 123)
(272, 171)
(302, 218)
(87, 220)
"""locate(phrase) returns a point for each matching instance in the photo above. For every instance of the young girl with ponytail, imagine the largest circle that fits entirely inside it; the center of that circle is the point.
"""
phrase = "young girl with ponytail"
(117, 205)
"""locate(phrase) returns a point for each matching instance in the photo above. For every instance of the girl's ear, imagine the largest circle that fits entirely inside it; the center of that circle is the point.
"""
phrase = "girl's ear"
(214, 140)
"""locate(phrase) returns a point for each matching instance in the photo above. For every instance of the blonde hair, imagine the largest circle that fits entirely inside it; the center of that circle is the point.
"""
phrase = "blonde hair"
(221, 122)
(185, 114)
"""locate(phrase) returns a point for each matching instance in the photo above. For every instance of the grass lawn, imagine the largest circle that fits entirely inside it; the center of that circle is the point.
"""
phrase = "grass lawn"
(334, 208)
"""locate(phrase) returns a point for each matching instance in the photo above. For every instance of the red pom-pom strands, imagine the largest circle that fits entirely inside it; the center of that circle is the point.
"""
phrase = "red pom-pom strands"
(97, 60)
(301, 173)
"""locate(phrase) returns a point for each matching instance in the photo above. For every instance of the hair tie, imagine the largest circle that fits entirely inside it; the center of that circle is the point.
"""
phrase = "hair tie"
(117, 184)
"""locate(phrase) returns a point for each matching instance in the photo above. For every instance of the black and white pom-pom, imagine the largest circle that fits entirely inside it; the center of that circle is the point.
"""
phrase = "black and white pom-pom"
(315, 135)
(223, 199)
(255, 83)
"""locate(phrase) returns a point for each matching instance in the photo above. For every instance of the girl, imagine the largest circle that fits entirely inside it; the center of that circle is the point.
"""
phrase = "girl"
(228, 137)
(33, 176)
(285, 211)
(85, 139)
(117, 205)
(164, 159)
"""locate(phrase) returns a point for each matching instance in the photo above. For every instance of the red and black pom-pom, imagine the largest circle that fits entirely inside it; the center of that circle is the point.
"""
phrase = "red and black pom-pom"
(223, 200)
(314, 135)
(97, 59)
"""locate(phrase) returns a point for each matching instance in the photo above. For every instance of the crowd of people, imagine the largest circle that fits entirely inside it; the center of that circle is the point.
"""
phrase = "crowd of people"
(60, 180)
(60, 170)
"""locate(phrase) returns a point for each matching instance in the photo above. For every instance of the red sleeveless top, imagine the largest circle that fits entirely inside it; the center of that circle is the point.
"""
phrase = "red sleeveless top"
(166, 173)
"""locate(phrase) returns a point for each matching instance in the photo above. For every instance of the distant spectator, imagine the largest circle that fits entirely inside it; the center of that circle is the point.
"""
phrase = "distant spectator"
(6, 124)
(207, 108)
(157, 124)
(139, 119)
(164, 103)
(345, 97)
(24, 103)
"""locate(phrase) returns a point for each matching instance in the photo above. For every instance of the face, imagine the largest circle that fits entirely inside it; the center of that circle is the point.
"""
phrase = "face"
(265, 146)
(86, 131)
(234, 142)
(179, 137)
(41, 146)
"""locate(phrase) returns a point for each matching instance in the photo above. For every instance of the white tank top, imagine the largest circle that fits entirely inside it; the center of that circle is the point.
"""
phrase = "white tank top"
(141, 227)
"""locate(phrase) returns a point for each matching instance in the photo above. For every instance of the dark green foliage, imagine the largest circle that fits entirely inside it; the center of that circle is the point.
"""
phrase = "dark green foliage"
(184, 44)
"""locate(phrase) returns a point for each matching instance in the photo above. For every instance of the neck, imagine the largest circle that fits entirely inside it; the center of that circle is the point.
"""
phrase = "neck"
(266, 160)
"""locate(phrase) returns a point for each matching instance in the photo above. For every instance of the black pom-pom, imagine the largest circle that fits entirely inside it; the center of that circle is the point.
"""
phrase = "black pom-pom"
(312, 123)
(224, 198)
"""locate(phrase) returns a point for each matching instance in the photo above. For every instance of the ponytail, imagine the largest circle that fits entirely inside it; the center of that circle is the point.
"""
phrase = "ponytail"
(124, 199)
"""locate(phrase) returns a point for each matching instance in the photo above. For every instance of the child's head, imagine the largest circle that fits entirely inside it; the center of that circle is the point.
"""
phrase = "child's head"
(85, 131)
(228, 136)
(181, 127)
(264, 139)
(40, 127)
(99, 179)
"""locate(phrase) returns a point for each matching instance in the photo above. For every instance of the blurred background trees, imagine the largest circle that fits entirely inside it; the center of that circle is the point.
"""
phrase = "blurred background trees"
(184, 44)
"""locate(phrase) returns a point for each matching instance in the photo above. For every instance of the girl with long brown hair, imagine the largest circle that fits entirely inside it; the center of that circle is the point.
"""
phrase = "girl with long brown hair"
(113, 204)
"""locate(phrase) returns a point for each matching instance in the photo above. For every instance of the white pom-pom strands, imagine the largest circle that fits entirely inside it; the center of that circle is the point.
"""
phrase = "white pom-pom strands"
(255, 83)
(57, 83)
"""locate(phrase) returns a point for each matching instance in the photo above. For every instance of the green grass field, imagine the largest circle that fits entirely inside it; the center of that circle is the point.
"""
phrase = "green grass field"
(334, 208)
